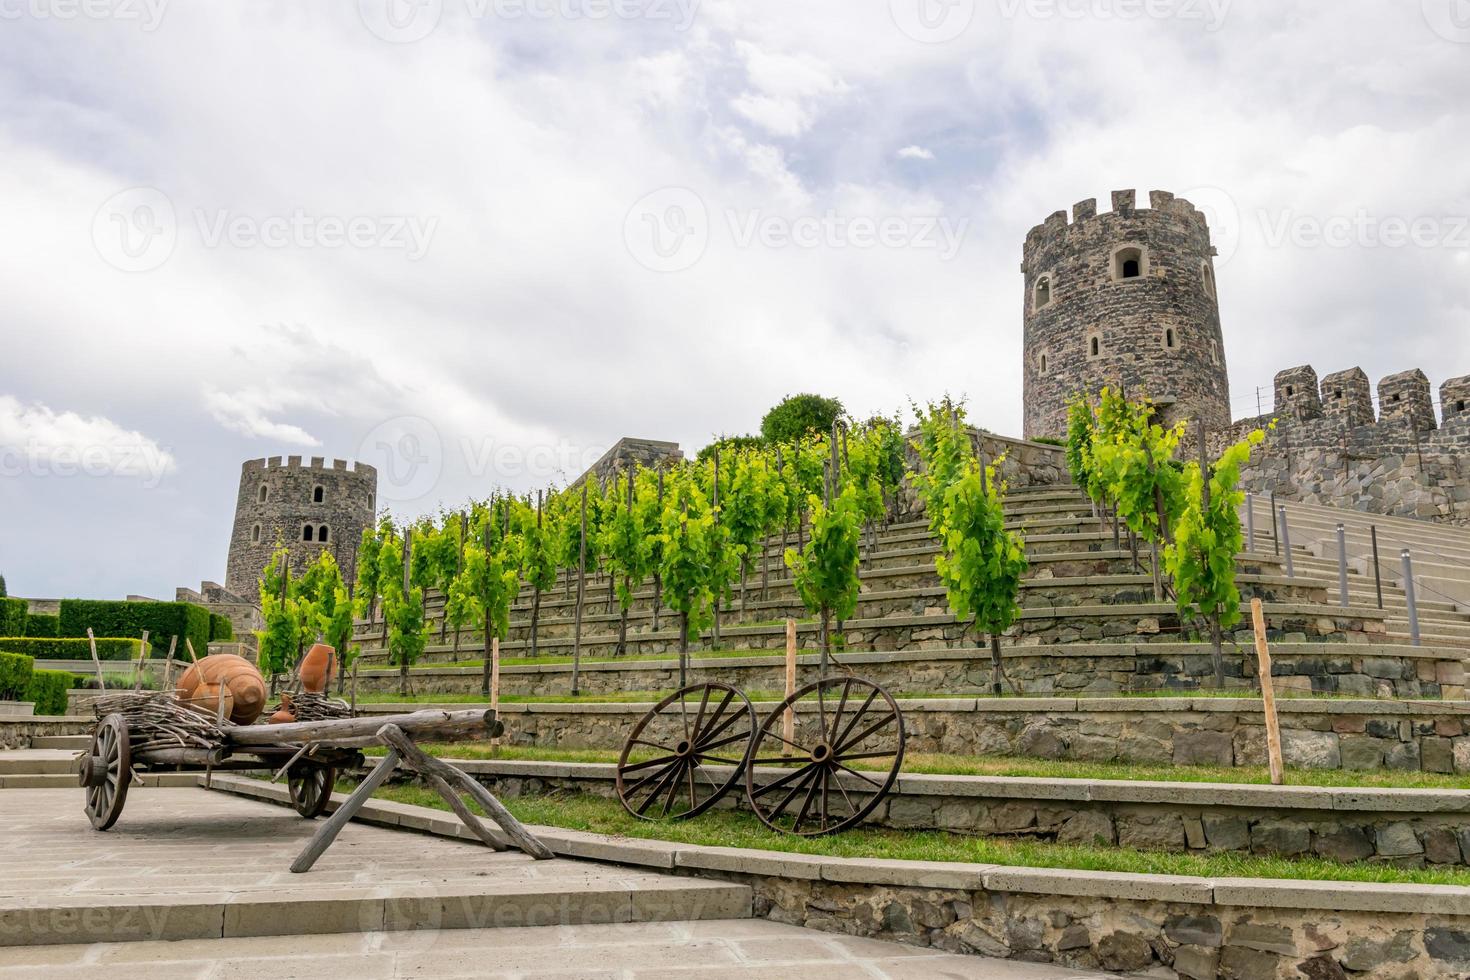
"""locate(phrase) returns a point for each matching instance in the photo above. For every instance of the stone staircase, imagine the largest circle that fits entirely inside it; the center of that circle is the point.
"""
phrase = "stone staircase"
(1083, 593)
(50, 763)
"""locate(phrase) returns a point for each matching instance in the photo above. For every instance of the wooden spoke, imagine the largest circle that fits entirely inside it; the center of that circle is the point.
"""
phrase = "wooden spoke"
(850, 711)
(690, 725)
(310, 784)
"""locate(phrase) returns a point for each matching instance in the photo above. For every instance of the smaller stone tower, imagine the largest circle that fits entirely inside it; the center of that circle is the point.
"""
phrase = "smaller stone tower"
(1406, 397)
(1347, 397)
(311, 507)
(1125, 298)
(1454, 399)
(1297, 396)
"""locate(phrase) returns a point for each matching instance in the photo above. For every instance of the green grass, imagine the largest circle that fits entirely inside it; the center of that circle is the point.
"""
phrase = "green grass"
(723, 828)
(979, 765)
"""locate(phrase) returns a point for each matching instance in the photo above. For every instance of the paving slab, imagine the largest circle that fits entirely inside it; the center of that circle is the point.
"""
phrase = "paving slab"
(707, 950)
(188, 863)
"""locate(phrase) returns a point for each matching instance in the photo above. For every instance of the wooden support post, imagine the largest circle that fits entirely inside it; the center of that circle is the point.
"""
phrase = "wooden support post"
(96, 661)
(1268, 693)
(416, 758)
(788, 723)
(168, 665)
(328, 831)
(142, 660)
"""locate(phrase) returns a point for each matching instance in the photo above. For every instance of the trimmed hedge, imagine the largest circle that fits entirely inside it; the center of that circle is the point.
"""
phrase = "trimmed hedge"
(48, 690)
(162, 620)
(70, 648)
(220, 628)
(43, 624)
(15, 676)
(12, 617)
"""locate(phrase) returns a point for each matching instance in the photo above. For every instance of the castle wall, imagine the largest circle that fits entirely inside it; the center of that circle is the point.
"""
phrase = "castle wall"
(277, 499)
(1402, 465)
(1089, 324)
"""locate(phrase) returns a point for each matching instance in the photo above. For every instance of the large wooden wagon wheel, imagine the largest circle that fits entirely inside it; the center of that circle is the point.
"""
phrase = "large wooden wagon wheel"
(686, 753)
(107, 772)
(311, 785)
(841, 761)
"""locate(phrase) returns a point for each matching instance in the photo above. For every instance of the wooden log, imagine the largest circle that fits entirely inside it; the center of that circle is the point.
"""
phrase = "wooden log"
(416, 758)
(328, 831)
(466, 816)
(1268, 694)
(180, 756)
(340, 730)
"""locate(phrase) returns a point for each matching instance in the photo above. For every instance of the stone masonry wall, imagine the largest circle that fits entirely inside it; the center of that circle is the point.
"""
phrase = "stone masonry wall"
(1087, 324)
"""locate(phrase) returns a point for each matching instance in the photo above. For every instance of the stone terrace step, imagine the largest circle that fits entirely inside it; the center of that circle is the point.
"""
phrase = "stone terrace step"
(190, 864)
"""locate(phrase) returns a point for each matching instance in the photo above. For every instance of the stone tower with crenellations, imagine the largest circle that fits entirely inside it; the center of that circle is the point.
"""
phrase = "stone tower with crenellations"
(311, 506)
(1124, 298)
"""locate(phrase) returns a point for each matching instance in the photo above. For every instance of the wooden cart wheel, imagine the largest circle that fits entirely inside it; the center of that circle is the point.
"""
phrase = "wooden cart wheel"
(311, 787)
(842, 760)
(665, 769)
(107, 772)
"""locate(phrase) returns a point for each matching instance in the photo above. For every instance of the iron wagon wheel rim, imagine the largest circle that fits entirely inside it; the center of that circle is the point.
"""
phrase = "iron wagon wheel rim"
(824, 769)
(311, 785)
(105, 797)
(722, 733)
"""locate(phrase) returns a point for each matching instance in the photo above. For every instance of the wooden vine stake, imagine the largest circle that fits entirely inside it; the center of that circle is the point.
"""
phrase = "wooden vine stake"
(168, 663)
(142, 663)
(495, 683)
(96, 661)
(788, 723)
(1268, 693)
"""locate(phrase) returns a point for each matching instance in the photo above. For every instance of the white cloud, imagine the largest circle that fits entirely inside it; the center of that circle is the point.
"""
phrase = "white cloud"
(245, 412)
(37, 441)
(914, 152)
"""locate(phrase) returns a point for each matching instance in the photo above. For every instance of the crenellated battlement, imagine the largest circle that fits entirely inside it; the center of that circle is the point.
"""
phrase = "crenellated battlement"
(314, 463)
(1057, 230)
(1345, 399)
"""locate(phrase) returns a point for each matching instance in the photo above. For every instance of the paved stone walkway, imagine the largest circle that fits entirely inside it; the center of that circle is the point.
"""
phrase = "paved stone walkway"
(726, 950)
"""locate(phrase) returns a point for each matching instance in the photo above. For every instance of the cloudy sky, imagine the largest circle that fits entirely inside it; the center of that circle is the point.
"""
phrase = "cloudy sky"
(492, 236)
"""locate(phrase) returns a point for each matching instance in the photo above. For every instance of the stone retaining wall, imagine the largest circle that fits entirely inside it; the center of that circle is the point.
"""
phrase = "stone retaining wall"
(16, 732)
(1316, 733)
(1078, 668)
(1406, 828)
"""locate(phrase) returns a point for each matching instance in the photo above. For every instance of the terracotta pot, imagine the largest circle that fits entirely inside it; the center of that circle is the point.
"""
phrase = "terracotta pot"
(284, 713)
(239, 678)
(318, 668)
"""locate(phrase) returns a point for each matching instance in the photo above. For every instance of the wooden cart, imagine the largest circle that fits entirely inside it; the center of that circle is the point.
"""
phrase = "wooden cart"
(157, 733)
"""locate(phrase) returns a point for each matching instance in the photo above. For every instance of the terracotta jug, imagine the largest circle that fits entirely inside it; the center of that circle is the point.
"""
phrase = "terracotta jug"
(239, 679)
(284, 713)
(318, 668)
